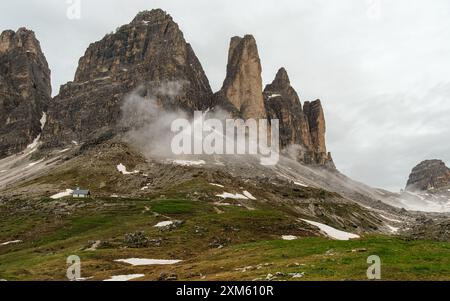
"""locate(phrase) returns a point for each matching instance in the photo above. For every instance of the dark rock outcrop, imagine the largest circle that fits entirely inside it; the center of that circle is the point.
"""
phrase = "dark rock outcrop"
(25, 90)
(151, 54)
(304, 127)
(429, 174)
(241, 93)
(282, 103)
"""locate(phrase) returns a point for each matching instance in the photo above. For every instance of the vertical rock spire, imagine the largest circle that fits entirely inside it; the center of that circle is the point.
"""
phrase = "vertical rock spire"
(242, 88)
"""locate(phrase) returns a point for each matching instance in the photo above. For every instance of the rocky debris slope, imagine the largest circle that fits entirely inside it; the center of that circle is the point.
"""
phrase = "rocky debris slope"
(25, 90)
(304, 127)
(425, 228)
(151, 54)
(428, 175)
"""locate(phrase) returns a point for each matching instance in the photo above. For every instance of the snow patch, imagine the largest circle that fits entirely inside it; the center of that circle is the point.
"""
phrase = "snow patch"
(125, 277)
(393, 229)
(188, 162)
(143, 261)
(289, 237)
(43, 120)
(332, 232)
(34, 163)
(34, 143)
(122, 169)
(300, 184)
(249, 195)
(227, 195)
(222, 204)
(218, 185)
(10, 242)
(390, 219)
(63, 194)
(163, 224)
(274, 96)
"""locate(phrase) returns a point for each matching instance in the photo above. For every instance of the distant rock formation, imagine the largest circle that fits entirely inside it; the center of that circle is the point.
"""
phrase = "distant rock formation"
(429, 174)
(25, 90)
(150, 51)
(241, 92)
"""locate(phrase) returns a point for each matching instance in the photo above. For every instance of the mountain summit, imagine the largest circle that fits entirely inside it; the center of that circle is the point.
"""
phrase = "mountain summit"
(429, 174)
(151, 49)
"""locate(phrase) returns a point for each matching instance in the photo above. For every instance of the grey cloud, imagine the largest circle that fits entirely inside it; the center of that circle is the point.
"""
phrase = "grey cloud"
(383, 79)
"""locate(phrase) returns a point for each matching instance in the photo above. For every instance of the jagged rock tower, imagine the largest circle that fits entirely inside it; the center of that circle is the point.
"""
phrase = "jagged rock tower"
(241, 92)
(242, 95)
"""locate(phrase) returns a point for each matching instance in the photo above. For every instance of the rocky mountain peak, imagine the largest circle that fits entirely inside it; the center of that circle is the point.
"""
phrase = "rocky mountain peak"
(242, 88)
(152, 16)
(282, 79)
(149, 51)
(429, 174)
(22, 39)
(25, 90)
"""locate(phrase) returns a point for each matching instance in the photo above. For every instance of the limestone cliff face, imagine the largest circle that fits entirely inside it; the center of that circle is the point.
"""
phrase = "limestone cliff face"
(298, 126)
(317, 127)
(283, 103)
(25, 90)
(241, 92)
(242, 96)
(150, 51)
(429, 174)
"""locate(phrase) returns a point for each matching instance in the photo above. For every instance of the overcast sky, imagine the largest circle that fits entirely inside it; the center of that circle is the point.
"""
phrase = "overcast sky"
(381, 68)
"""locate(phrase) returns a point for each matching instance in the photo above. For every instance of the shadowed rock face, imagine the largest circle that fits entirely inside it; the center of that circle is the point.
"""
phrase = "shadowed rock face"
(298, 126)
(283, 103)
(148, 53)
(429, 174)
(241, 92)
(25, 90)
